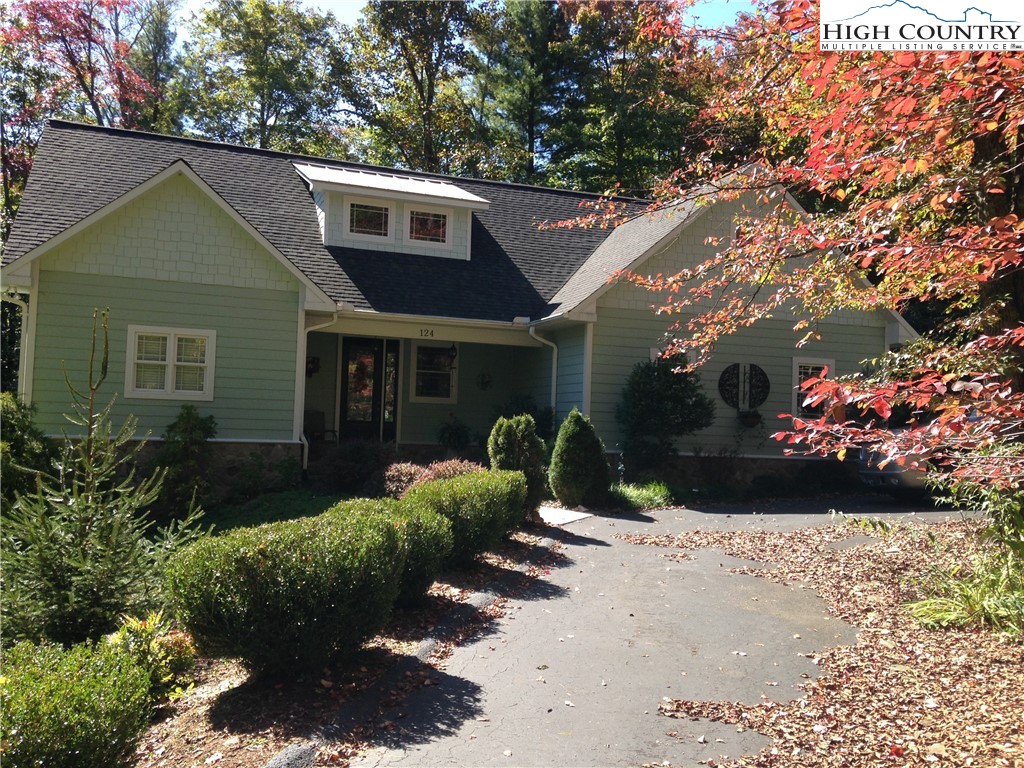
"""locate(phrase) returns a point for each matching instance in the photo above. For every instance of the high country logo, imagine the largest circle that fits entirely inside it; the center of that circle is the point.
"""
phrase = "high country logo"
(945, 25)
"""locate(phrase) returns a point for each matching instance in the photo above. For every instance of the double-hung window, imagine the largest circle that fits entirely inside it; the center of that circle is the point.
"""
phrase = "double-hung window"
(806, 368)
(435, 378)
(170, 363)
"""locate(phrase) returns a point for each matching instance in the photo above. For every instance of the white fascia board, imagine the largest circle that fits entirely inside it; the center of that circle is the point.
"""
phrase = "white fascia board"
(13, 277)
(316, 298)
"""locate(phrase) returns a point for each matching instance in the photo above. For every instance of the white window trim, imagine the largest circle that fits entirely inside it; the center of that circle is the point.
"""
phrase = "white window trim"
(346, 219)
(413, 397)
(798, 395)
(410, 208)
(168, 392)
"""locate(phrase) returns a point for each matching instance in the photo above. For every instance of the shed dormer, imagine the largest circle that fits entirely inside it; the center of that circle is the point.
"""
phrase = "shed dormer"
(390, 212)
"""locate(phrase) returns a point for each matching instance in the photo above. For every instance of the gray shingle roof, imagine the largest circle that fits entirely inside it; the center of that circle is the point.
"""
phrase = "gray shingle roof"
(516, 268)
(627, 243)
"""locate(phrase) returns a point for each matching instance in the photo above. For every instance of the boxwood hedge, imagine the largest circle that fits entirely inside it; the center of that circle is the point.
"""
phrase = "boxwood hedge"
(483, 507)
(290, 595)
(83, 707)
(428, 539)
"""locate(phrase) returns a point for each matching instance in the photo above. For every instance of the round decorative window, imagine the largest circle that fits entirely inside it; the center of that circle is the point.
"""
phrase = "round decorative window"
(744, 386)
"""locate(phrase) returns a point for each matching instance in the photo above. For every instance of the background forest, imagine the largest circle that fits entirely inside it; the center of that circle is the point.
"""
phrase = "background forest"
(583, 95)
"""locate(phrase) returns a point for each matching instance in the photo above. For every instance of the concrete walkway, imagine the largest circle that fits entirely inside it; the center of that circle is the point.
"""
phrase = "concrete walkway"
(572, 676)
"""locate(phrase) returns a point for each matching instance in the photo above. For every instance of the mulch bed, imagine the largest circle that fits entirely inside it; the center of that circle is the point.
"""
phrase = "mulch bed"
(901, 695)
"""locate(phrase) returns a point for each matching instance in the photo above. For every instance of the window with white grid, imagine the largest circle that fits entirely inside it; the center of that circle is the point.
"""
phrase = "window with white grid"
(805, 368)
(170, 363)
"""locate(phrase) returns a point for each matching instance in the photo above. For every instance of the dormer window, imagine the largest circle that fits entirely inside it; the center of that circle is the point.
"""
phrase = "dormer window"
(428, 226)
(392, 212)
(367, 219)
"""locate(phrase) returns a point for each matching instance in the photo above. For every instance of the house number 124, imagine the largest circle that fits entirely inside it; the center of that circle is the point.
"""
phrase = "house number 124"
(426, 333)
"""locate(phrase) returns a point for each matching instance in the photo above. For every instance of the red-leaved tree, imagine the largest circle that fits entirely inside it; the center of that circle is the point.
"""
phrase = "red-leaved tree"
(912, 164)
(88, 44)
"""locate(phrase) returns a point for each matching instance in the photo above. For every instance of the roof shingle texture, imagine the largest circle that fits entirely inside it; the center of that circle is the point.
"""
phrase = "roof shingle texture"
(516, 267)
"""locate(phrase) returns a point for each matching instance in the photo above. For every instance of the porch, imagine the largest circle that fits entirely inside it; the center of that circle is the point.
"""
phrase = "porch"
(402, 381)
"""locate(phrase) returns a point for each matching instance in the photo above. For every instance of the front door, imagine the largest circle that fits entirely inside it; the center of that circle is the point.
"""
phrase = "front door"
(369, 389)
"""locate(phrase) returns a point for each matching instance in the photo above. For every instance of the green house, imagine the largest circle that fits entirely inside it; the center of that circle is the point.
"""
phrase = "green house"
(298, 298)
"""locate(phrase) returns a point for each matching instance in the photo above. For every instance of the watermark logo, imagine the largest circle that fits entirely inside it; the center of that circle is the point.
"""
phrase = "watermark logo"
(921, 25)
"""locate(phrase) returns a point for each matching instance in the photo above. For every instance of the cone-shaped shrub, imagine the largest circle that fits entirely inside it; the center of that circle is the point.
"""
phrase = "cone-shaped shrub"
(290, 595)
(482, 507)
(83, 707)
(514, 445)
(579, 471)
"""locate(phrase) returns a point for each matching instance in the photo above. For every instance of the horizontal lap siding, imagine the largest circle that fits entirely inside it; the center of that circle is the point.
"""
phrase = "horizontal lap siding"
(627, 329)
(173, 258)
(624, 337)
(321, 387)
(255, 355)
(475, 407)
(570, 370)
(530, 371)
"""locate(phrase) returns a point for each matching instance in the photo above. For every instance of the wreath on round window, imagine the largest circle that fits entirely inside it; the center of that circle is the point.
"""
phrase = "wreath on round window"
(739, 379)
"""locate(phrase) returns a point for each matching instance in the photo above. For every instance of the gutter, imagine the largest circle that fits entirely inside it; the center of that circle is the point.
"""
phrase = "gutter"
(554, 366)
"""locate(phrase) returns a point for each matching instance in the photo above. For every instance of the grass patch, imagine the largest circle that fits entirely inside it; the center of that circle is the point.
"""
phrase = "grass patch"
(635, 497)
(270, 508)
(986, 591)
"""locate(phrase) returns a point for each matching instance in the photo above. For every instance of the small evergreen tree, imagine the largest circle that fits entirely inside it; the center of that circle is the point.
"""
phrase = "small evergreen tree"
(579, 470)
(658, 404)
(78, 552)
(514, 444)
(186, 456)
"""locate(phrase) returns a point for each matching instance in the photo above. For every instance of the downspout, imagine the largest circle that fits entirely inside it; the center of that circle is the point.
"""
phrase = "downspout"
(554, 367)
(302, 435)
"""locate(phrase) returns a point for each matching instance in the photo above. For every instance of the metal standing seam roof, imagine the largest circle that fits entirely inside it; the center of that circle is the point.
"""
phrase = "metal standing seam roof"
(517, 267)
(376, 182)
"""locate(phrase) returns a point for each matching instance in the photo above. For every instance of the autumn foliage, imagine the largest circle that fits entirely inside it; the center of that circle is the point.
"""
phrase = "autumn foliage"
(911, 166)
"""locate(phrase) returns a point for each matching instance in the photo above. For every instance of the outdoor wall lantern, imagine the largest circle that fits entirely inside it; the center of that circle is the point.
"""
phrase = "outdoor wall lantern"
(312, 366)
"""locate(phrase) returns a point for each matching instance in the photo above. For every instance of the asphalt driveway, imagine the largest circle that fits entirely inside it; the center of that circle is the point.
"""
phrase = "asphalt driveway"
(574, 672)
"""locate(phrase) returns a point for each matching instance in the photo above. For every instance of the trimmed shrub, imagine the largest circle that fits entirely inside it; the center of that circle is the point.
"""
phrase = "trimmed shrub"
(427, 536)
(429, 539)
(514, 444)
(24, 451)
(291, 594)
(482, 507)
(447, 469)
(579, 470)
(657, 406)
(399, 477)
(85, 707)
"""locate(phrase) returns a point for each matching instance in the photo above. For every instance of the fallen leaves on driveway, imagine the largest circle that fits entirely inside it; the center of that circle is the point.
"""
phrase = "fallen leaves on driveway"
(902, 695)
